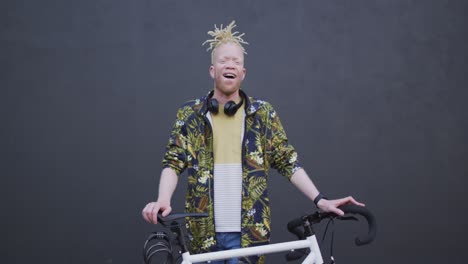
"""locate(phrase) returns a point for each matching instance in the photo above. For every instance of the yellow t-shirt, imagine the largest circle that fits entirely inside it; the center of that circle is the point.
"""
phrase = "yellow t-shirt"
(227, 150)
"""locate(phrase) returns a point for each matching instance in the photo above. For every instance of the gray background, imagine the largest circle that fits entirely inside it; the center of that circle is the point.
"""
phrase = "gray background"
(371, 93)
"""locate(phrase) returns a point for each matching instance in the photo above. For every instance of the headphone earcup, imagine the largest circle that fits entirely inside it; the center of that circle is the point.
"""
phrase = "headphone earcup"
(213, 105)
(230, 108)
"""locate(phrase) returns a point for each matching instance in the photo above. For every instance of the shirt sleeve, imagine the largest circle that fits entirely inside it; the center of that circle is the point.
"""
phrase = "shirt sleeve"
(175, 156)
(282, 155)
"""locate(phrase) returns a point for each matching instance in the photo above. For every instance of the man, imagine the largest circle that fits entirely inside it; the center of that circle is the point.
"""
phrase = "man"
(228, 141)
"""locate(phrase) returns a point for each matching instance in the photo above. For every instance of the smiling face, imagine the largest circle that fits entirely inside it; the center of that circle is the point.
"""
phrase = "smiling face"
(228, 70)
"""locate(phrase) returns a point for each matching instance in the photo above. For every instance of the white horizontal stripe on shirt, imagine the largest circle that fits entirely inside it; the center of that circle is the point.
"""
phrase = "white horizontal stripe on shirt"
(227, 197)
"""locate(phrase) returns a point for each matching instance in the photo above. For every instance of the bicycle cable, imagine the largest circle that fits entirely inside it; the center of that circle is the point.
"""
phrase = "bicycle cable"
(332, 259)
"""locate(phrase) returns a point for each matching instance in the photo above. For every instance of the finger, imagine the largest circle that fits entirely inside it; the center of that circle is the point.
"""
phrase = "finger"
(337, 211)
(145, 212)
(166, 211)
(358, 203)
(149, 213)
(154, 214)
(342, 201)
(352, 200)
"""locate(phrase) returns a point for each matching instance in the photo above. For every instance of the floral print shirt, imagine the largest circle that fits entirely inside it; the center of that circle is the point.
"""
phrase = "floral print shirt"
(264, 145)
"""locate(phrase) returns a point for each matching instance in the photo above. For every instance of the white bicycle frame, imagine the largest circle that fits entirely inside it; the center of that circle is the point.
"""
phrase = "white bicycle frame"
(310, 242)
(314, 257)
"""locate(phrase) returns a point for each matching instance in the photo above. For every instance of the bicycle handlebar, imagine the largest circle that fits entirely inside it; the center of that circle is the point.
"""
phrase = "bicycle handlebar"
(294, 225)
(370, 236)
(172, 217)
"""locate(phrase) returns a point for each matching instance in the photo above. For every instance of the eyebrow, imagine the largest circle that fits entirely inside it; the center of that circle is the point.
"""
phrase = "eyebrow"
(231, 57)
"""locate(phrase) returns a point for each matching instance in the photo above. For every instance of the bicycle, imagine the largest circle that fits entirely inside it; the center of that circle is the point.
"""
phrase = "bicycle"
(302, 227)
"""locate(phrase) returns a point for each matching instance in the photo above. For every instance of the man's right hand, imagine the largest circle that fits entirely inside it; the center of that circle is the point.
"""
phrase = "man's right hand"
(151, 210)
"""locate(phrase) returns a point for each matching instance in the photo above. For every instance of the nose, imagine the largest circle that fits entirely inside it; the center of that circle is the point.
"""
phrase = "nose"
(230, 64)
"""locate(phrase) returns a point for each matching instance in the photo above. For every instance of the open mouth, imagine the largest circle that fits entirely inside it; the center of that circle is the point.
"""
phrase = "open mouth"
(229, 76)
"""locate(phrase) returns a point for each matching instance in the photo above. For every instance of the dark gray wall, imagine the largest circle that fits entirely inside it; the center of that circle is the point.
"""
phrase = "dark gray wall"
(372, 94)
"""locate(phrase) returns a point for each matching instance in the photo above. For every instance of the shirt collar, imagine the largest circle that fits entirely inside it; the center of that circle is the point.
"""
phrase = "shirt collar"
(251, 105)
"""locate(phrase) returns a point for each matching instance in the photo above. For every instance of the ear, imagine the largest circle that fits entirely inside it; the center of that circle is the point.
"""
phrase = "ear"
(212, 71)
(244, 72)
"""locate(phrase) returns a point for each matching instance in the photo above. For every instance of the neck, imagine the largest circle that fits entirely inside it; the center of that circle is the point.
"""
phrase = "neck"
(223, 98)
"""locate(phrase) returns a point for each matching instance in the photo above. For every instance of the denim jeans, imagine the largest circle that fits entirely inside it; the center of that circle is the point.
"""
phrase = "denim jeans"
(227, 240)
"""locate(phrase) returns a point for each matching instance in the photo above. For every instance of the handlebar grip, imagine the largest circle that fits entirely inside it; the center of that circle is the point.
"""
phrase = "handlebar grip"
(355, 209)
(294, 226)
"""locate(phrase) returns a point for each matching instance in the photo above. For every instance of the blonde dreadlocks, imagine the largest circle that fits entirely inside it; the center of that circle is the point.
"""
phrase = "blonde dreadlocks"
(224, 35)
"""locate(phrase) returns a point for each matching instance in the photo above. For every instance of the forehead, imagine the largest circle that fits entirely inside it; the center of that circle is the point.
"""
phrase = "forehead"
(228, 50)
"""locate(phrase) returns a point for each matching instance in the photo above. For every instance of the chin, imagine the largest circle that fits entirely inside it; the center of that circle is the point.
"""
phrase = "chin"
(228, 90)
